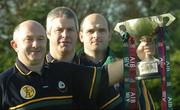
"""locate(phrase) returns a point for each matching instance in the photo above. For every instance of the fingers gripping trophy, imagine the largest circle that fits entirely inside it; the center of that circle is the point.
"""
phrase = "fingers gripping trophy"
(151, 29)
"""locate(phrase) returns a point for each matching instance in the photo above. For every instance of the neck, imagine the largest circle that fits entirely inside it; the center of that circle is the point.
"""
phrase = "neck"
(64, 57)
(95, 56)
(36, 68)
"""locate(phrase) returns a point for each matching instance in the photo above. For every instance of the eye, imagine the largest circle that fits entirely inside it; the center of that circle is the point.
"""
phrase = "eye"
(59, 30)
(28, 39)
(41, 38)
(91, 31)
(102, 30)
(70, 29)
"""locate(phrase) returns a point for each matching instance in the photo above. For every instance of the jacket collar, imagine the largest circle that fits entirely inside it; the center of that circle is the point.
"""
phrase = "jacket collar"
(50, 59)
(22, 68)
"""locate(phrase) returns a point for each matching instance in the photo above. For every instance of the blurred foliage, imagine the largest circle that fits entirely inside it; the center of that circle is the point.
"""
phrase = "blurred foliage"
(12, 12)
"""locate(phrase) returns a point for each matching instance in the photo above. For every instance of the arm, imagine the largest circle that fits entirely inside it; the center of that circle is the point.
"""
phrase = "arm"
(115, 72)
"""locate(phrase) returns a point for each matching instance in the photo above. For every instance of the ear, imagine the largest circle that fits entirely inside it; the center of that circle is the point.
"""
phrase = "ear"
(81, 37)
(14, 45)
(48, 34)
(110, 35)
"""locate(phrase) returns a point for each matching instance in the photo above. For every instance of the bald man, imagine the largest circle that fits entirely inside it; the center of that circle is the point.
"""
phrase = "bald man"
(95, 34)
(29, 42)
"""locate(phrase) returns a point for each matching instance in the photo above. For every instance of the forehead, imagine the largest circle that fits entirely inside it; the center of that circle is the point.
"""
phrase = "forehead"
(31, 30)
(95, 22)
(63, 22)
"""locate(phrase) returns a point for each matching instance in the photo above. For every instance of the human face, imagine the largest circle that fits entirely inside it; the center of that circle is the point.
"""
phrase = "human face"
(95, 34)
(30, 44)
(62, 36)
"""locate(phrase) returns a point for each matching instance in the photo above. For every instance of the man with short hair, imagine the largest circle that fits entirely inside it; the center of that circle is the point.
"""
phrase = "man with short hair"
(62, 31)
(95, 34)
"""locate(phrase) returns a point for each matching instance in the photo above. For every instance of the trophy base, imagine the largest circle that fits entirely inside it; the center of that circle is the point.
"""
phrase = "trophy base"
(147, 70)
(148, 76)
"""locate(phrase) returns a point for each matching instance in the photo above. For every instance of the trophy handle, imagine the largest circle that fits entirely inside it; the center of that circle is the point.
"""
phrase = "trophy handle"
(170, 16)
(121, 28)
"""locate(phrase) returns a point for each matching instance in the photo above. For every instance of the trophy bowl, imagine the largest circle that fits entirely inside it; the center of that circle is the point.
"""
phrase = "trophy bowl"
(145, 28)
(141, 27)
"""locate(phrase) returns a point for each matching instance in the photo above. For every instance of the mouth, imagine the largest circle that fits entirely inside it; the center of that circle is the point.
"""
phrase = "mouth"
(65, 42)
(36, 51)
(97, 42)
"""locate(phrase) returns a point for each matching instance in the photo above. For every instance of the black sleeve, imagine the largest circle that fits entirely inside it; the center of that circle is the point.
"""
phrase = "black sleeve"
(1, 99)
(2, 107)
(3, 78)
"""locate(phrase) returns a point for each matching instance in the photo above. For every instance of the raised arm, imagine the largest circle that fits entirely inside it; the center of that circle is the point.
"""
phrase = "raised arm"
(116, 69)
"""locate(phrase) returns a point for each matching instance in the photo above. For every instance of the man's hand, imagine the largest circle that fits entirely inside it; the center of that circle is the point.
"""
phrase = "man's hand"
(146, 48)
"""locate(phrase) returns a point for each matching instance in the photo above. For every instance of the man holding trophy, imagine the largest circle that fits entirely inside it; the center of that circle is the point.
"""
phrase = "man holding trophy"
(147, 30)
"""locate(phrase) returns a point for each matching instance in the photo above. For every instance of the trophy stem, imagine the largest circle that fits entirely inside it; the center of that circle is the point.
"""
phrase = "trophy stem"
(148, 68)
(149, 57)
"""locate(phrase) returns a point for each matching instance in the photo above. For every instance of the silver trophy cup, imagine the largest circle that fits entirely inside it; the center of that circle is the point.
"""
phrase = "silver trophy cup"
(145, 29)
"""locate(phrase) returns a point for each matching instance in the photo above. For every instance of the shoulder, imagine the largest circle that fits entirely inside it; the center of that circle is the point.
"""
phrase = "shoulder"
(7, 74)
(80, 51)
(68, 67)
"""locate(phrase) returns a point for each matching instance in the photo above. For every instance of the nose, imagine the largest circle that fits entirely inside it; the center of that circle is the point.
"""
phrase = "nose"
(35, 44)
(96, 34)
(65, 33)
